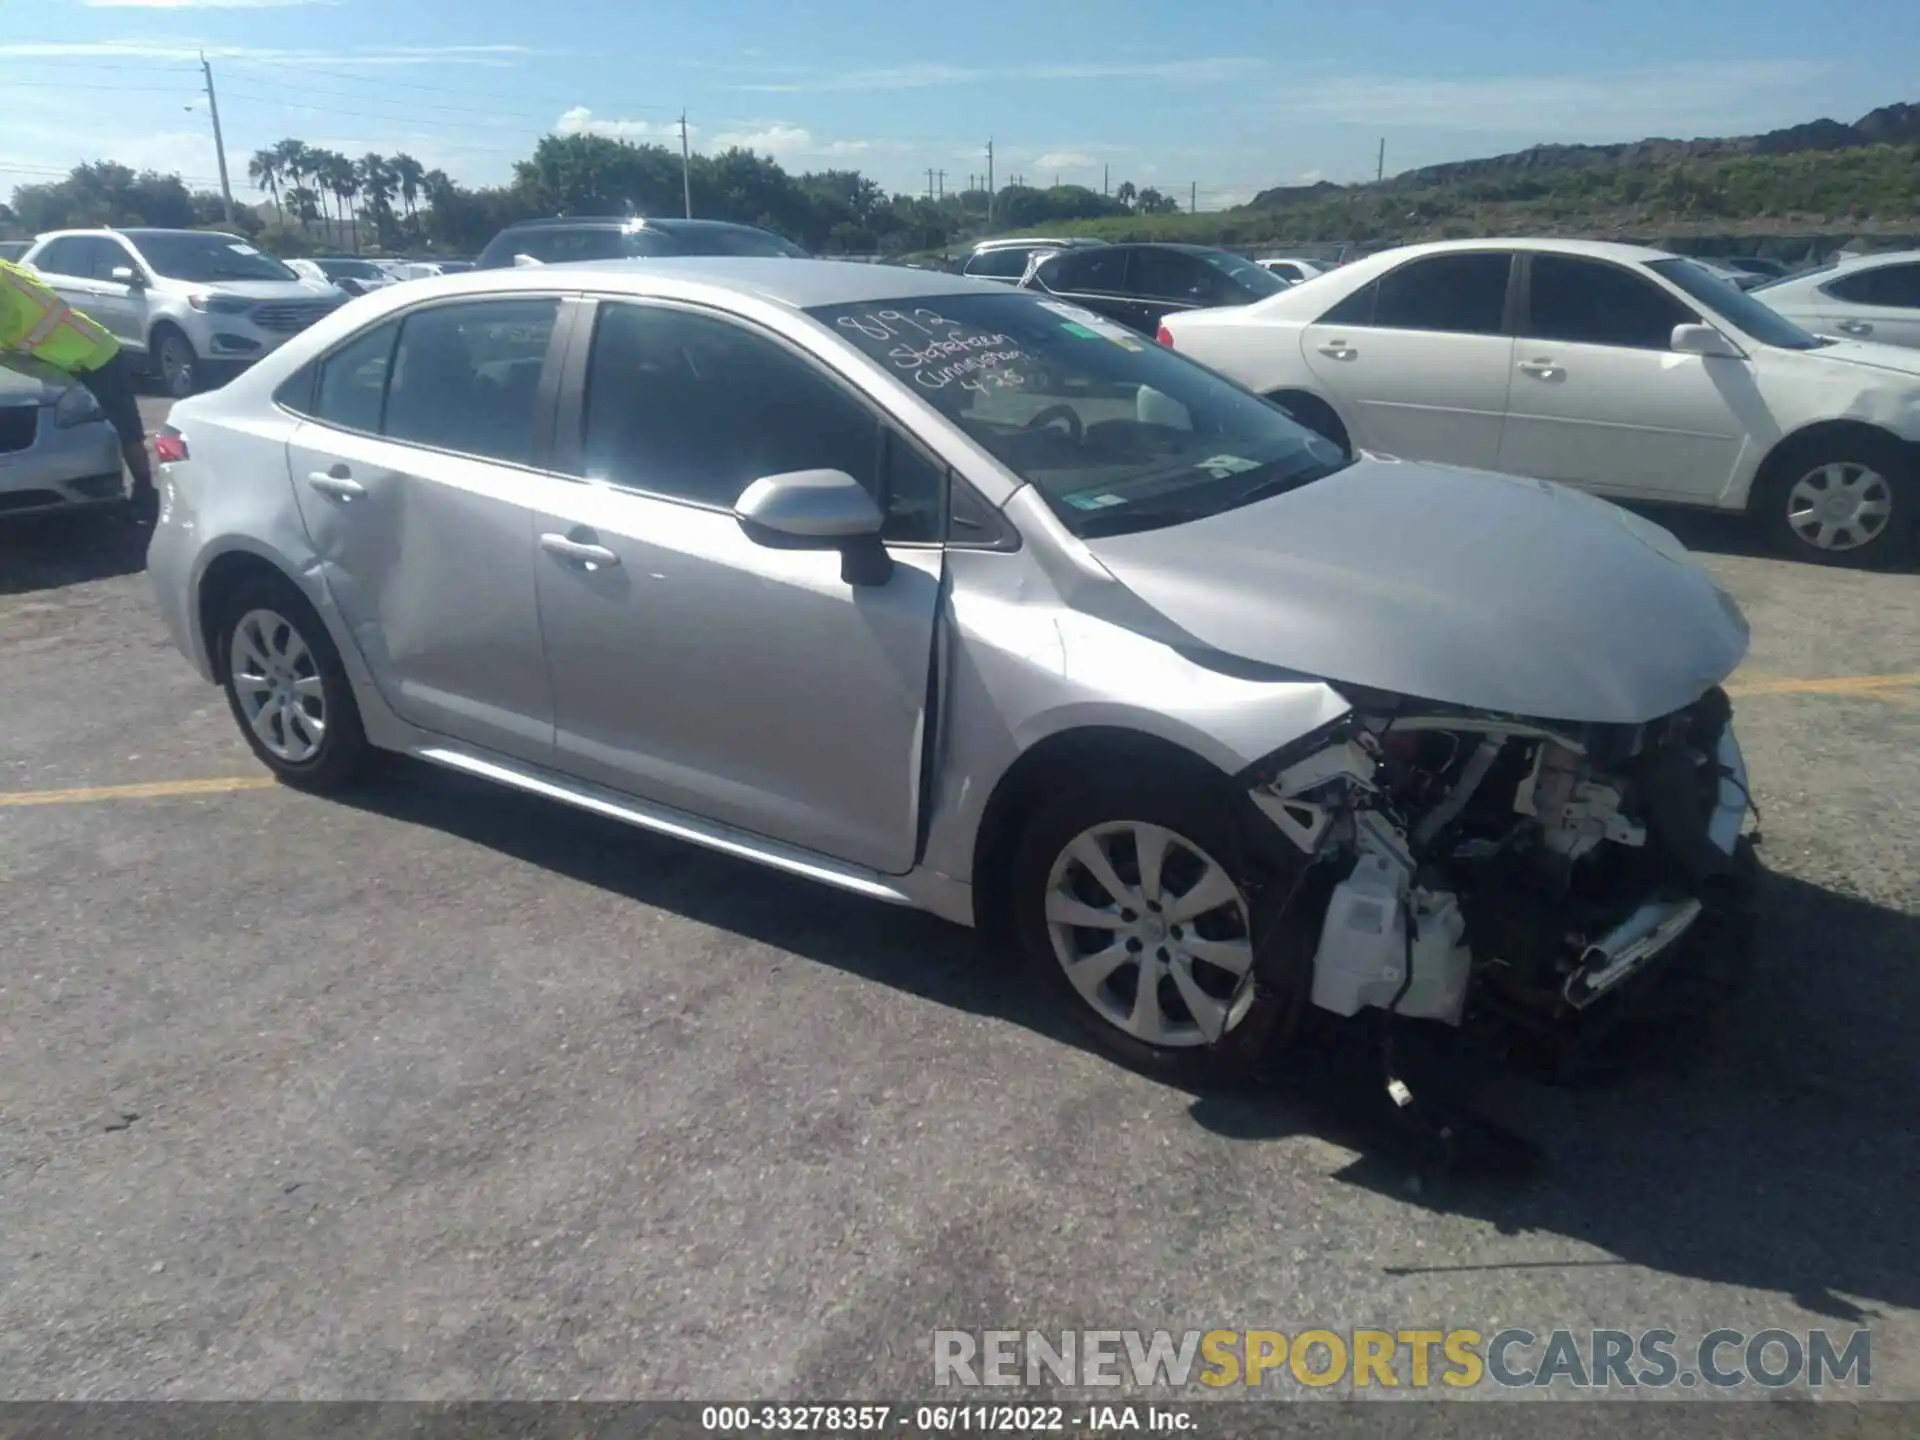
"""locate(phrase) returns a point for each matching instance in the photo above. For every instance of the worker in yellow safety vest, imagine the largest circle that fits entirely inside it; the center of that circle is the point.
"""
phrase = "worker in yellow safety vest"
(35, 321)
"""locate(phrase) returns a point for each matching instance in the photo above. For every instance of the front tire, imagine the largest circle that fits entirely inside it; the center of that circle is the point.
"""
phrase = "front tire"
(1850, 499)
(287, 689)
(1134, 908)
(175, 364)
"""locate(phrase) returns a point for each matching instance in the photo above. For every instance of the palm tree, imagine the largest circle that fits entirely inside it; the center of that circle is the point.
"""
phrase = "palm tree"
(376, 188)
(303, 201)
(409, 174)
(1125, 193)
(337, 174)
(264, 170)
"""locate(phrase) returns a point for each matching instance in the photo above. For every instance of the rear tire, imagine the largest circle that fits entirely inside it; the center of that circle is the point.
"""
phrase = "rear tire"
(1161, 928)
(287, 689)
(1846, 499)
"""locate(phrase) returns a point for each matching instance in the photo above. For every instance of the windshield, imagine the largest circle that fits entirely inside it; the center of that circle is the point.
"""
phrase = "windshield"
(1766, 325)
(351, 269)
(1116, 433)
(1258, 279)
(207, 257)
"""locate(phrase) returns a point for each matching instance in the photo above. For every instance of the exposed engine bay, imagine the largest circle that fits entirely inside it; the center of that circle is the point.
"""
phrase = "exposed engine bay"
(1492, 863)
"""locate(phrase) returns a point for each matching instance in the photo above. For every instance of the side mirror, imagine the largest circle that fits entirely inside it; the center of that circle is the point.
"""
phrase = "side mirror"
(127, 275)
(818, 510)
(1704, 340)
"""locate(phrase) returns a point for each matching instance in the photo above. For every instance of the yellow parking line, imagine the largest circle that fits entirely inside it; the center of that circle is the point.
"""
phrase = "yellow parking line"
(157, 790)
(1838, 685)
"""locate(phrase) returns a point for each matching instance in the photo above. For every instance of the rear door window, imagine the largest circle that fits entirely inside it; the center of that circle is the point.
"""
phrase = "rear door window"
(1098, 270)
(66, 256)
(466, 377)
(353, 382)
(1458, 294)
(1896, 287)
(1008, 264)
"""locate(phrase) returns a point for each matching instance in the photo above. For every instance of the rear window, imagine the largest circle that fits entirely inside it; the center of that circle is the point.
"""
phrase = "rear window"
(559, 244)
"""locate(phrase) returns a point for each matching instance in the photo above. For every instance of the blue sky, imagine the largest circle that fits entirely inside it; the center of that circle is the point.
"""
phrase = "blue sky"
(1229, 96)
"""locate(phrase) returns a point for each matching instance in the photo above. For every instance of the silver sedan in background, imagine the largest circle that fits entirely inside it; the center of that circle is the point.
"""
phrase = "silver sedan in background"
(57, 451)
(966, 598)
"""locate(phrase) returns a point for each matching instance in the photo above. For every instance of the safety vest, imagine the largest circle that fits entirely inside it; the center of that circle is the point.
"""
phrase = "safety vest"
(35, 320)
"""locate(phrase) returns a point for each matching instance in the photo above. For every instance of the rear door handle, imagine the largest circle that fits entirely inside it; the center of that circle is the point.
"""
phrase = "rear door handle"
(1855, 327)
(591, 557)
(1542, 369)
(1339, 350)
(337, 483)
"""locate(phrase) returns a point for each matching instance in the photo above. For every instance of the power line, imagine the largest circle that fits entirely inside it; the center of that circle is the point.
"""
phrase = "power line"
(360, 114)
(384, 83)
(545, 115)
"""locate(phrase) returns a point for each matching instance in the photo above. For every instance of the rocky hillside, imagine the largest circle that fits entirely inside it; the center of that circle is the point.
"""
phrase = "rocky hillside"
(1889, 125)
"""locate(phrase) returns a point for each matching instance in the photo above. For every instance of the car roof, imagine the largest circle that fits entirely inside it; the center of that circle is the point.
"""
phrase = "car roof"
(623, 222)
(798, 283)
(1033, 242)
(1594, 249)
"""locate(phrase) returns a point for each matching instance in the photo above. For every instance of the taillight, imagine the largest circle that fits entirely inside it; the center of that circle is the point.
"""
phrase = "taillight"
(169, 445)
(1165, 337)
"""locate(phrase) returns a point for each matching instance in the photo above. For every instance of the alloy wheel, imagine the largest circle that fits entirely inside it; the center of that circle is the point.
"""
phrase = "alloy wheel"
(1839, 506)
(177, 366)
(278, 683)
(1152, 931)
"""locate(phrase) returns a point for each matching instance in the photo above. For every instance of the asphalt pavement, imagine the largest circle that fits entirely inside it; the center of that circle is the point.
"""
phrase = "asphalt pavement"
(444, 1092)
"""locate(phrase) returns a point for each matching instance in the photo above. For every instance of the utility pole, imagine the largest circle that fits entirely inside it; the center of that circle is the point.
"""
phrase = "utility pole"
(686, 168)
(1380, 165)
(929, 184)
(219, 145)
(1193, 197)
(943, 183)
(989, 182)
(1106, 175)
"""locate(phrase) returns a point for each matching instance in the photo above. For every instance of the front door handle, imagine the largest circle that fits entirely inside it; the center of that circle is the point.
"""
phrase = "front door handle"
(1855, 327)
(338, 482)
(1542, 369)
(578, 552)
(1339, 350)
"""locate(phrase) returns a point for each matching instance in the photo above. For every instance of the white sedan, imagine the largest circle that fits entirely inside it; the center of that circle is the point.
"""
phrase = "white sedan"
(1630, 372)
(1872, 297)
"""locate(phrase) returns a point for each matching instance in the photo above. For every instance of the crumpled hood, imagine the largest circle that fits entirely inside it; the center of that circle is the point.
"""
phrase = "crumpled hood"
(27, 381)
(1449, 585)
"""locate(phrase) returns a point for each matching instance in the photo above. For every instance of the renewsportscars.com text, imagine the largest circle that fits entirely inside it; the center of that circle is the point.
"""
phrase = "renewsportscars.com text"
(1415, 1359)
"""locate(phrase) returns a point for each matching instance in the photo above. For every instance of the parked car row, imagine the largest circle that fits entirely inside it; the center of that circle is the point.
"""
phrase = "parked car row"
(1069, 637)
(1626, 371)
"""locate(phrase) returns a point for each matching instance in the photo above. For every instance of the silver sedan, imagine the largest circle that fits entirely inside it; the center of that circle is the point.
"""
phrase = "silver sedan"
(966, 598)
(57, 451)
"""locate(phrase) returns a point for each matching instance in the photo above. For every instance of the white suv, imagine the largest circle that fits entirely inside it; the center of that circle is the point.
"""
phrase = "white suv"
(182, 302)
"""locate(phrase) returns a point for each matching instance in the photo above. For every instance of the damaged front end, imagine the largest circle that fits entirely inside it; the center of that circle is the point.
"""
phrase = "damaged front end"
(1495, 870)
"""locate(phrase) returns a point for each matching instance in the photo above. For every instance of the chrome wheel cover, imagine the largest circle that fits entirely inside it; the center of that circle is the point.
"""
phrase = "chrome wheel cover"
(1840, 506)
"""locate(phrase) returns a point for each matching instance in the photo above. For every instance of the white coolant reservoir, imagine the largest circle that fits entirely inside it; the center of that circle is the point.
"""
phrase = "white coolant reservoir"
(1363, 944)
(1362, 956)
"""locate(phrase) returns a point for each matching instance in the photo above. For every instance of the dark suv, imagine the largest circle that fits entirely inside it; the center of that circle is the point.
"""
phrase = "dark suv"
(583, 237)
(1140, 284)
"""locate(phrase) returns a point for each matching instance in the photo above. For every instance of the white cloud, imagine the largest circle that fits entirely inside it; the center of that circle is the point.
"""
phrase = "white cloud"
(1692, 99)
(780, 138)
(161, 50)
(201, 4)
(930, 75)
(1309, 177)
(582, 121)
(1064, 160)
